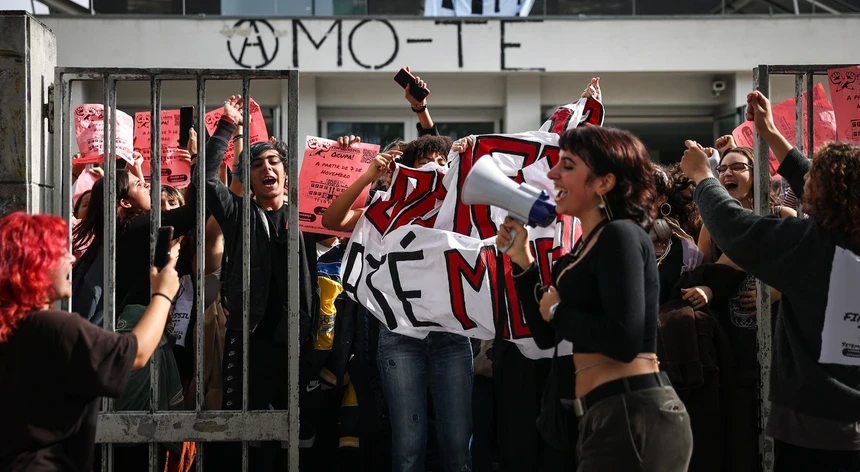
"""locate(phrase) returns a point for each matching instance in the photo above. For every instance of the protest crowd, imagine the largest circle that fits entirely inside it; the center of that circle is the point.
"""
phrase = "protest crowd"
(622, 337)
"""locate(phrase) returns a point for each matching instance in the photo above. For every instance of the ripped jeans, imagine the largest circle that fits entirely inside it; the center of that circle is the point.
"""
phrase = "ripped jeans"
(407, 367)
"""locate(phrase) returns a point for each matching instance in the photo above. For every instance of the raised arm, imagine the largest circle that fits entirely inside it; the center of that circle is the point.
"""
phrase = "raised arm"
(219, 200)
(769, 247)
(340, 215)
(793, 165)
(425, 124)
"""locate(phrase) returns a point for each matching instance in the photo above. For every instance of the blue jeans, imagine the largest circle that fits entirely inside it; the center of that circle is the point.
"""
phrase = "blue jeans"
(408, 366)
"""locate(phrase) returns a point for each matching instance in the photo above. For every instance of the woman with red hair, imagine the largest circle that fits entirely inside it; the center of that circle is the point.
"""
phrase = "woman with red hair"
(54, 365)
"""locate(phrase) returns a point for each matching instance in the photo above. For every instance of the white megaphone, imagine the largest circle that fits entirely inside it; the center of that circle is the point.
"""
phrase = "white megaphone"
(487, 185)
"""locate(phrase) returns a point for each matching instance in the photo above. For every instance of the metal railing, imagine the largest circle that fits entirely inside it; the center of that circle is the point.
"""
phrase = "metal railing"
(199, 425)
(540, 9)
(761, 82)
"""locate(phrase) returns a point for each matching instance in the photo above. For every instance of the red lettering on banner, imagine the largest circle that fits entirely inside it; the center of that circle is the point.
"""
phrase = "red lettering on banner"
(389, 215)
(460, 270)
(544, 256)
(480, 214)
(516, 321)
(592, 114)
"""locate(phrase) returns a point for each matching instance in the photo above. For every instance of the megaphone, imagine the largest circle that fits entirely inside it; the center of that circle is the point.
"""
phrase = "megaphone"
(487, 185)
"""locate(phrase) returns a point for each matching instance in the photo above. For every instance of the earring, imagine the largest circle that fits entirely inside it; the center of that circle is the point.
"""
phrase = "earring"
(604, 205)
(665, 209)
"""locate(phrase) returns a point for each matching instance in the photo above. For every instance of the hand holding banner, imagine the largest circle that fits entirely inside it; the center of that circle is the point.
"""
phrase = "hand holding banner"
(257, 129)
(845, 91)
(90, 134)
(328, 170)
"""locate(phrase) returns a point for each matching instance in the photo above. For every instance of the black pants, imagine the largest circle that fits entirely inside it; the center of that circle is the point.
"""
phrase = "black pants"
(790, 458)
(644, 430)
(267, 368)
(519, 383)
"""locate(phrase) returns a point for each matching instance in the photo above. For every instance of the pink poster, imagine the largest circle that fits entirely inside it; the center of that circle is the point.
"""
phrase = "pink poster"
(258, 127)
(845, 92)
(327, 170)
(90, 134)
(823, 129)
(175, 171)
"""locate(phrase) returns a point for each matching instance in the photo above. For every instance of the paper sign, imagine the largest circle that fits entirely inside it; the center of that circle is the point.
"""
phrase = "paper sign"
(823, 129)
(174, 170)
(258, 127)
(90, 134)
(845, 92)
(327, 170)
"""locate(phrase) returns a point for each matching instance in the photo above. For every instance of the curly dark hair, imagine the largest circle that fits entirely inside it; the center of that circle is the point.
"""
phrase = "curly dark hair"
(608, 150)
(671, 182)
(749, 154)
(834, 190)
(425, 145)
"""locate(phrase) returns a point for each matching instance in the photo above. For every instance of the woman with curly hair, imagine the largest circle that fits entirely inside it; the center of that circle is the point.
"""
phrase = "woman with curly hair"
(603, 297)
(814, 381)
(673, 231)
(54, 365)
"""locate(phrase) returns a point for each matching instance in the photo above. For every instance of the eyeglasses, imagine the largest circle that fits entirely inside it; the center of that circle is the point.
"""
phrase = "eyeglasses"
(735, 167)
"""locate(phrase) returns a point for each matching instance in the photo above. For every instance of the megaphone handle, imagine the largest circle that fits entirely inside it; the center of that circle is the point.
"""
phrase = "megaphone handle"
(505, 248)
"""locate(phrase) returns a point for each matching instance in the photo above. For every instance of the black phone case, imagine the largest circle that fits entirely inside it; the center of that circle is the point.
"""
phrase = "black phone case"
(186, 121)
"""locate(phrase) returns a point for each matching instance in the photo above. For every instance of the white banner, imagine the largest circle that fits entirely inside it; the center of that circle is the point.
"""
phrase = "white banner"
(420, 260)
(484, 8)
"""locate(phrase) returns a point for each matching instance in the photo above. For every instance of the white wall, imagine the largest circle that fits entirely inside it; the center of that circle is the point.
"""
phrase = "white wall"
(653, 70)
(635, 44)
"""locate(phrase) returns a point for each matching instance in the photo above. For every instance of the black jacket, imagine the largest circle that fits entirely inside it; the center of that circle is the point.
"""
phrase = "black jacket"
(226, 207)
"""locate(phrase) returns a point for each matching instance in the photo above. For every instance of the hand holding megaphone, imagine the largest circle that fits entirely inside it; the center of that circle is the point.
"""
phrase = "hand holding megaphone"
(513, 240)
(487, 185)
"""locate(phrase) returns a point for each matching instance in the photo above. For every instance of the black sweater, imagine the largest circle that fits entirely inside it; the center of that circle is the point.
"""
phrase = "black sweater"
(227, 210)
(609, 299)
(794, 256)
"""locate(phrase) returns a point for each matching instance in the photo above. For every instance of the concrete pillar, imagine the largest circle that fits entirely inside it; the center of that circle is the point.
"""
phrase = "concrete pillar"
(308, 121)
(522, 103)
(28, 56)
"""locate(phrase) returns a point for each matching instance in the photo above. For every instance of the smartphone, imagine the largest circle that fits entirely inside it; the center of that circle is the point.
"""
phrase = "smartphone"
(186, 121)
(405, 79)
(162, 247)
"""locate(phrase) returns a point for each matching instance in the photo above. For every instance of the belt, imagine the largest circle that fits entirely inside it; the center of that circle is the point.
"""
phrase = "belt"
(619, 386)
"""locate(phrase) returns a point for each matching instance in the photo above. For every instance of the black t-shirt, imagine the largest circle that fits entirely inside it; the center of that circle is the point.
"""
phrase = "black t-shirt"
(53, 369)
(278, 280)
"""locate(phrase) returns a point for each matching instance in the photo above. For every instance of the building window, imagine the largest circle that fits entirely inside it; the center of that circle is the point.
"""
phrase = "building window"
(370, 132)
(456, 130)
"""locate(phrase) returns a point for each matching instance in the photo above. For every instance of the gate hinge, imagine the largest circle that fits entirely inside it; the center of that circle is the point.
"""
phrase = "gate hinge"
(48, 109)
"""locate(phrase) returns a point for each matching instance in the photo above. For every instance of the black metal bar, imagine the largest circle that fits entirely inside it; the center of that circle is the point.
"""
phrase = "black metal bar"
(246, 253)
(761, 82)
(109, 241)
(199, 294)
(154, 225)
(817, 69)
(295, 150)
(810, 115)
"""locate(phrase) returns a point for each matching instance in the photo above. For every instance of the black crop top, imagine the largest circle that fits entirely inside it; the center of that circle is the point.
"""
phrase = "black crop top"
(609, 300)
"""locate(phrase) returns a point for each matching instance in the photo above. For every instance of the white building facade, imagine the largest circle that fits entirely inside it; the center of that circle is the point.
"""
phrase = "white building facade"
(664, 78)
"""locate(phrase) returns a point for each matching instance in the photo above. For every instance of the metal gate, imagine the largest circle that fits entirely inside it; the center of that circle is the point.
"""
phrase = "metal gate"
(761, 82)
(200, 425)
